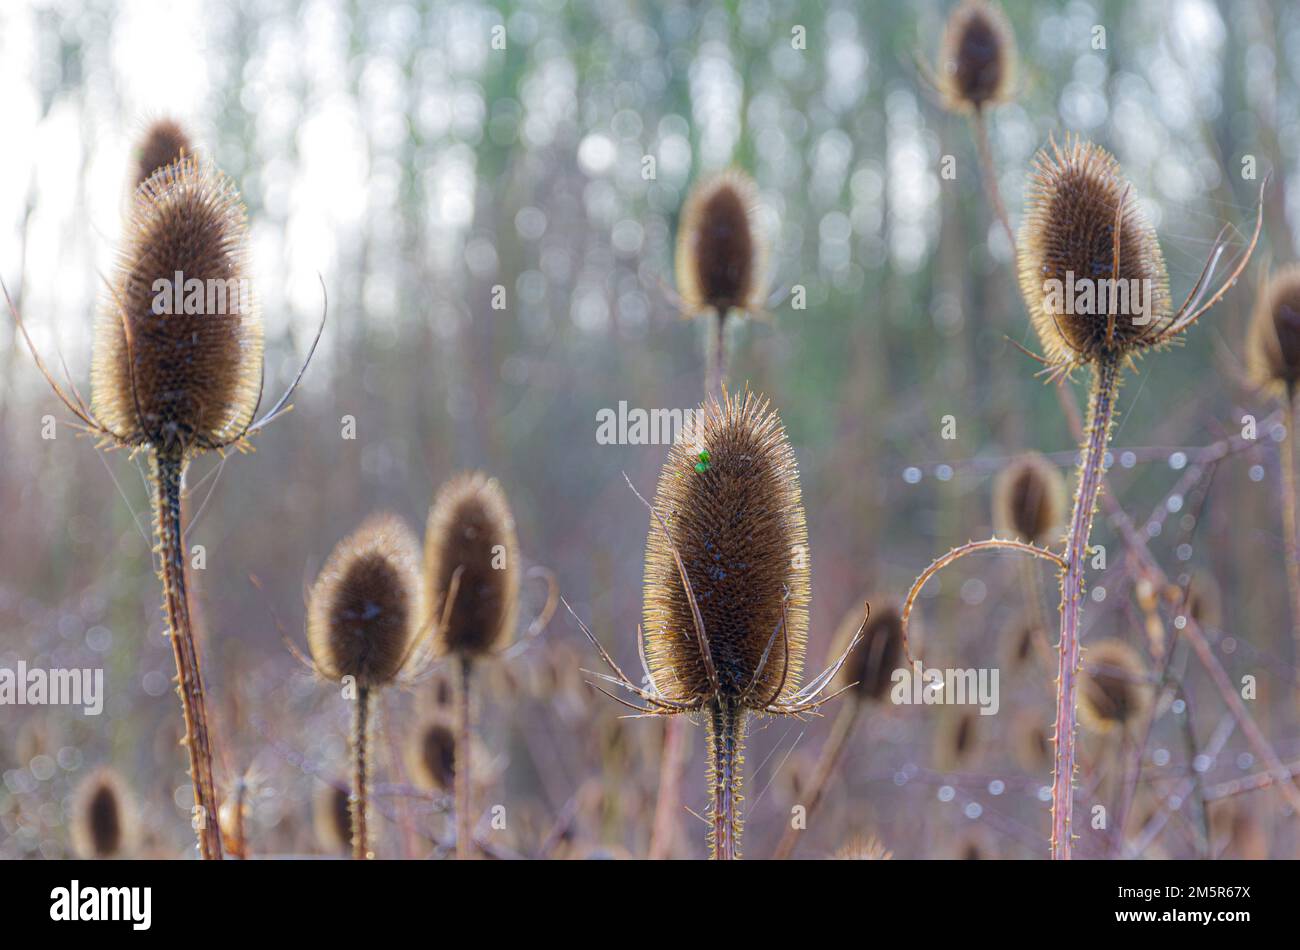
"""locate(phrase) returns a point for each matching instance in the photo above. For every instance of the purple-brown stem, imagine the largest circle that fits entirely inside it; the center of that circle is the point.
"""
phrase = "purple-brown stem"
(360, 801)
(464, 820)
(662, 832)
(726, 756)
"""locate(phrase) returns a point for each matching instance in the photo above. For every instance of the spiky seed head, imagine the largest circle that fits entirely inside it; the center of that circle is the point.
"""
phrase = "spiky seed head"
(365, 610)
(332, 817)
(435, 755)
(721, 257)
(738, 523)
(959, 740)
(1029, 500)
(1067, 241)
(871, 664)
(977, 58)
(471, 528)
(1273, 343)
(177, 355)
(1112, 691)
(164, 143)
(863, 848)
(103, 816)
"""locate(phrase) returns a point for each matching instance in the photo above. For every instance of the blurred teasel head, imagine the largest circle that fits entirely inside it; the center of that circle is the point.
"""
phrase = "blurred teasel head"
(1113, 691)
(434, 755)
(870, 666)
(102, 817)
(365, 609)
(177, 356)
(332, 817)
(1273, 344)
(1029, 500)
(977, 57)
(164, 143)
(721, 257)
(732, 506)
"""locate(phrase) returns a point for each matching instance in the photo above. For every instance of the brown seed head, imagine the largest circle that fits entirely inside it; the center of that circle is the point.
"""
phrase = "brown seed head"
(177, 363)
(720, 254)
(102, 817)
(1022, 647)
(471, 528)
(738, 523)
(863, 848)
(1029, 500)
(1068, 240)
(872, 662)
(1273, 344)
(435, 755)
(164, 143)
(365, 609)
(958, 744)
(977, 58)
(1032, 742)
(1112, 690)
(332, 817)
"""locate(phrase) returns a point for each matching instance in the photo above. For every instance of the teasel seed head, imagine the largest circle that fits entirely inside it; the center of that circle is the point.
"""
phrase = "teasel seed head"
(1068, 235)
(958, 743)
(1029, 501)
(737, 522)
(180, 382)
(103, 817)
(365, 609)
(863, 848)
(721, 257)
(472, 529)
(332, 817)
(1273, 344)
(1032, 742)
(434, 755)
(1112, 690)
(977, 57)
(1022, 647)
(870, 666)
(164, 143)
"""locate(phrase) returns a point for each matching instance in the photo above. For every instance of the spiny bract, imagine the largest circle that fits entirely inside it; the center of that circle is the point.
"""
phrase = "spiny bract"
(720, 254)
(471, 527)
(365, 609)
(178, 342)
(1067, 241)
(731, 503)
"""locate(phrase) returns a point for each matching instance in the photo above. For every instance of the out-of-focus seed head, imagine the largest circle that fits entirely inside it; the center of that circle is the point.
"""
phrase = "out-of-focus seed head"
(471, 528)
(1112, 691)
(434, 755)
(977, 58)
(1022, 648)
(365, 609)
(958, 743)
(164, 143)
(1067, 247)
(871, 664)
(732, 505)
(1032, 742)
(332, 818)
(721, 256)
(1029, 500)
(863, 848)
(177, 354)
(103, 817)
(1273, 344)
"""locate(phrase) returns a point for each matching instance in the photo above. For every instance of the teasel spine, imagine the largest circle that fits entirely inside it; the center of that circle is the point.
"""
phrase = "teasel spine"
(360, 801)
(726, 737)
(1101, 417)
(464, 821)
(168, 472)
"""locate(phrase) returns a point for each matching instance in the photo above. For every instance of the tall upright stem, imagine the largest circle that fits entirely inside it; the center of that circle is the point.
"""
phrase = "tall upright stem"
(990, 175)
(830, 757)
(1291, 541)
(1101, 416)
(663, 831)
(726, 757)
(170, 535)
(718, 357)
(361, 775)
(464, 816)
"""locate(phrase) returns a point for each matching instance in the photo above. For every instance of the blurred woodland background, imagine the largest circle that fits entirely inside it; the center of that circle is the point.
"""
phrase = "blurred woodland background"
(389, 148)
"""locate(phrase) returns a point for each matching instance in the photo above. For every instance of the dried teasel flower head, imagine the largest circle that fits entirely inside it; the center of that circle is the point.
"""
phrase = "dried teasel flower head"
(959, 740)
(977, 57)
(365, 609)
(103, 817)
(721, 256)
(732, 506)
(472, 531)
(1113, 690)
(1273, 344)
(1029, 500)
(164, 143)
(1023, 647)
(870, 666)
(434, 755)
(863, 848)
(332, 817)
(1068, 242)
(177, 356)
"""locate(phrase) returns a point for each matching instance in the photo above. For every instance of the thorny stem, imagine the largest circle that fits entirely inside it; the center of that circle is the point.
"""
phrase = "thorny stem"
(830, 757)
(1290, 542)
(990, 175)
(361, 775)
(464, 820)
(167, 474)
(726, 757)
(1101, 417)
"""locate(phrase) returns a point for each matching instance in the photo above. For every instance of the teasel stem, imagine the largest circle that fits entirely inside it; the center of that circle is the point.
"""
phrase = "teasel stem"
(830, 757)
(464, 821)
(1292, 540)
(726, 757)
(361, 775)
(718, 357)
(1101, 416)
(168, 471)
(662, 832)
(990, 175)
